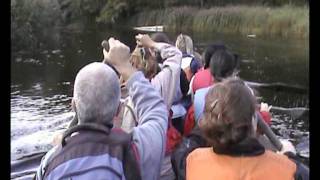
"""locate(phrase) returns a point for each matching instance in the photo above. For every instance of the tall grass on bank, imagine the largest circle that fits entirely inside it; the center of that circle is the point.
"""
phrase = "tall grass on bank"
(282, 21)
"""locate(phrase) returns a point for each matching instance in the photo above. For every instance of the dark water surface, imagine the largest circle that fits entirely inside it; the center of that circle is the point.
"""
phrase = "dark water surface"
(42, 80)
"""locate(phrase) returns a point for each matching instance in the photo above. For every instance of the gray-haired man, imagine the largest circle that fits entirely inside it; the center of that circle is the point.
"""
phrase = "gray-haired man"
(92, 149)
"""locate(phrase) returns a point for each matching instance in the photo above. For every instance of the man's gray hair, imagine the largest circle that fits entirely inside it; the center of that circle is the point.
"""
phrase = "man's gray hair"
(96, 94)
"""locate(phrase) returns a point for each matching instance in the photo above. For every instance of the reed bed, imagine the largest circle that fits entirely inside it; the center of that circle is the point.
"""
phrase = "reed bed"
(285, 21)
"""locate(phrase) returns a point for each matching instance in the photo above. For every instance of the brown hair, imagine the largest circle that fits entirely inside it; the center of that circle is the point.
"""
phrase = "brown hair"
(228, 114)
(160, 37)
(142, 59)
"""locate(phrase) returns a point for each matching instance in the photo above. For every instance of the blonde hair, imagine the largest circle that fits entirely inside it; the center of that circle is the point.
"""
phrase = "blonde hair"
(142, 59)
(184, 43)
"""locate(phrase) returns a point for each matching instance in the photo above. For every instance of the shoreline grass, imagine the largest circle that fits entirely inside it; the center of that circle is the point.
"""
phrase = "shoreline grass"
(286, 21)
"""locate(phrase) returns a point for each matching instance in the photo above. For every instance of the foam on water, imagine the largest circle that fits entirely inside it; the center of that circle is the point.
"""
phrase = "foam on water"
(36, 120)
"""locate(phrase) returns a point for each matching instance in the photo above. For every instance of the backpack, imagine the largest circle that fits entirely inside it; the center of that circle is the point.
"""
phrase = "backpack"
(96, 152)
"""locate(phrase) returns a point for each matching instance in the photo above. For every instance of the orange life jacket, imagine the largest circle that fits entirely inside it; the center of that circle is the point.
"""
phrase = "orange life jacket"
(204, 164)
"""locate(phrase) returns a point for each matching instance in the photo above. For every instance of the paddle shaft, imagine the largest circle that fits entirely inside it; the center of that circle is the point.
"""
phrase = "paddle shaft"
(268, 132)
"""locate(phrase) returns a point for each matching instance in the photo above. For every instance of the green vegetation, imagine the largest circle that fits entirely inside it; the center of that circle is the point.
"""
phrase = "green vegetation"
(115, 11)
(28, 19)
(260, 20)
(275, 17)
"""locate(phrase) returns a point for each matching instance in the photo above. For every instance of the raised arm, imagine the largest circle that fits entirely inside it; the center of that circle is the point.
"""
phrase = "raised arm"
(168, 79)
(150, 134)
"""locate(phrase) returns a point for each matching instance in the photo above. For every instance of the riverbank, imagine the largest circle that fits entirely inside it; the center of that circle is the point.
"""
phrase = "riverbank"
(285, 21)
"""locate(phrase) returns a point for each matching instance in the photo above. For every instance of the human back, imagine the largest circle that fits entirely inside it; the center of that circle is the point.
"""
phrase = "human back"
(95, 155)
(207, 165)
(235, 153)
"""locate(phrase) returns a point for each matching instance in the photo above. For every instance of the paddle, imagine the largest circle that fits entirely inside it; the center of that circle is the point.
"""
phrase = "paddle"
(295, 112)
(278, 86)
(268, 132)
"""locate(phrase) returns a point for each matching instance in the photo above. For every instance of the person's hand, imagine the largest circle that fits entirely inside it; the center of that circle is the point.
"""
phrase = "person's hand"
(145, 41)
(57, 139)
(265, 107)
(118, 56)
(287, 146)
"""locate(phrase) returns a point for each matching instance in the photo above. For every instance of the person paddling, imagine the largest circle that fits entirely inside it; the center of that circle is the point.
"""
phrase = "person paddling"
(235, 153)
(223, 64)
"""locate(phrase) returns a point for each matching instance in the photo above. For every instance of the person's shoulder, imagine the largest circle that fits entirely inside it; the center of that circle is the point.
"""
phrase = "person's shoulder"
(280, 160)
(49, 156)
(203, 75)
(200, 153)
(202, 91)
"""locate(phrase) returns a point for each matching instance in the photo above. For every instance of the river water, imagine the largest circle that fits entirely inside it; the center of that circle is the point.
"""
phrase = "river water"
(42, 80)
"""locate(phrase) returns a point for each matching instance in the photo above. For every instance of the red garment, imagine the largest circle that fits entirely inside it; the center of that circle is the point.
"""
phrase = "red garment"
(189, 121)
(173, 136)
(202, 79)
(266, 116)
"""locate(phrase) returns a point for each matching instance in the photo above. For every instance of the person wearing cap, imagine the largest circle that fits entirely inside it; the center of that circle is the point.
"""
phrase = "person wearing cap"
(93, 149)
(234, 152)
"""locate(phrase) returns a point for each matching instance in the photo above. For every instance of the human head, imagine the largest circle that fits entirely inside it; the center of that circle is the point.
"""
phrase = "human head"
(96, 94)
(223, 64)
(210, 50)
(184, 44)
(160, 37)
(229, 110)
(142, 59)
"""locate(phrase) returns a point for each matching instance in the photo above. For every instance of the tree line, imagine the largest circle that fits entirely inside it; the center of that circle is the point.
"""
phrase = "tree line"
(112, 10)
